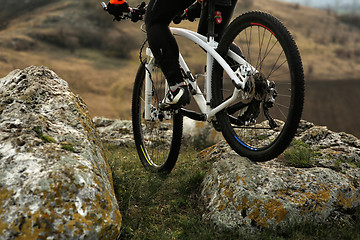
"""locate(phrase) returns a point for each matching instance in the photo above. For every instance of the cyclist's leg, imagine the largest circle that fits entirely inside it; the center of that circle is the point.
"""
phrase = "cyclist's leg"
(161, 41)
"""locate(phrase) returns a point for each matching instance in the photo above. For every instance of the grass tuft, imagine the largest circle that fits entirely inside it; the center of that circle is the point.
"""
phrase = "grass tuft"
(299, 154)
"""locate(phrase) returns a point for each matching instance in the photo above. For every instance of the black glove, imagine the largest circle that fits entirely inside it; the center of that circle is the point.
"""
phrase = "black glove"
(117, 10)
(138, 12)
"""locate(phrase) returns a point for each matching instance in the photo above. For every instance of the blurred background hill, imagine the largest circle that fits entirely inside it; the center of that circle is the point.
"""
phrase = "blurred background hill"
(99, 57)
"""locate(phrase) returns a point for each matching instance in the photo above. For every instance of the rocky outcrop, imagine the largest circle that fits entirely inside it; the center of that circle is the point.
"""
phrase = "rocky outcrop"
(55, 182)
(119, 132)
(240, 194)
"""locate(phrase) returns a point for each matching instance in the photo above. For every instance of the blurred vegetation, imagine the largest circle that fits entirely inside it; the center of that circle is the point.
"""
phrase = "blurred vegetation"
(11, 9)
(351, 19)
(83, 25)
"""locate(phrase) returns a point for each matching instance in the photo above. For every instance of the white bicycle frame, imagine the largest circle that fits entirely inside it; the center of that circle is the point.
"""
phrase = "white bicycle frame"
(239, 77)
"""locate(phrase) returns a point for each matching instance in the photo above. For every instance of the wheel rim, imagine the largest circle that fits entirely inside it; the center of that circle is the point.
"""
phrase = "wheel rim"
(156, 134)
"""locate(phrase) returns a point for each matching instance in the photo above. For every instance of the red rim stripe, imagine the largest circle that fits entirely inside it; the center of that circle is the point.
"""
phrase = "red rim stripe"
(258, 24)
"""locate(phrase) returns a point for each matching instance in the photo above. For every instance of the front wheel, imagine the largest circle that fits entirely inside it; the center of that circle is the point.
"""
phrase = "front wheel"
(157, 138)
(262, 123)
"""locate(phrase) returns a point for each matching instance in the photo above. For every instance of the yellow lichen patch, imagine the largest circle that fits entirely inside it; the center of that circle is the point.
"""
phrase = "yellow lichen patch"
(314, 201)
(259, 211)
(242, 180)
(275, 210)
(27, 229)
(318, 201)
(221, 207)
(262, 212)
(229, 192)
(295, 196)
(77, 223)
(226, 196)
(243, 205)
(346, 199)
(323, 195)
(4, 195)
(255, 213)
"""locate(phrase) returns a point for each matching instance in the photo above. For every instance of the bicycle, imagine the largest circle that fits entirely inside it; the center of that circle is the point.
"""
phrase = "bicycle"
(266, 77)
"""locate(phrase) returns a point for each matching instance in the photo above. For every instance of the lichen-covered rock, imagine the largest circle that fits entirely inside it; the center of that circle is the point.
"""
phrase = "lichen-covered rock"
(200, 134)
(338, 151)
(115, 132)
(240, 194)
(55, 182)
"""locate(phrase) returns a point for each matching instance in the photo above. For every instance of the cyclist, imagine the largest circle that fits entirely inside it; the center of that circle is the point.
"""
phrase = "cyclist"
(162, 43)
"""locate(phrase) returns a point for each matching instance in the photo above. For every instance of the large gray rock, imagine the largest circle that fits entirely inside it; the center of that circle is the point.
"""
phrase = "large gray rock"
(240, 194)
(55, 182)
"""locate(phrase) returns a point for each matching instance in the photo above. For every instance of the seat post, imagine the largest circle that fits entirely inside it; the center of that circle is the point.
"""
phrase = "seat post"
(210, 5)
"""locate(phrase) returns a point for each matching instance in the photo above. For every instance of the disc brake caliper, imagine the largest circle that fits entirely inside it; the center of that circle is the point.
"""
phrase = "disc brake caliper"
(266, 92)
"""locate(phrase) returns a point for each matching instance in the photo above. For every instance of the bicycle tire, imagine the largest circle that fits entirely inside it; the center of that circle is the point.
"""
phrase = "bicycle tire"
(157, 141)
(243, 125)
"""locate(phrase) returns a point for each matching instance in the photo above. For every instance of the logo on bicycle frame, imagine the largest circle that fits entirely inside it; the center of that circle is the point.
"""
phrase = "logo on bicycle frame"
(218, 17)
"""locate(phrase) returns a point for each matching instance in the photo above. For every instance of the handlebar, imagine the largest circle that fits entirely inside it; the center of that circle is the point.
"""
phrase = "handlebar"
(104, 6)
(134, 14)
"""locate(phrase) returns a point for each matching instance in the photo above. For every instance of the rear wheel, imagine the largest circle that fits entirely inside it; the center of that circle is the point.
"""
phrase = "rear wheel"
(157, 139)
(262, 123)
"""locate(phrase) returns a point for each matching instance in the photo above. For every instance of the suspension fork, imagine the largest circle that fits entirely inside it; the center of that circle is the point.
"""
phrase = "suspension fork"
(148, 85)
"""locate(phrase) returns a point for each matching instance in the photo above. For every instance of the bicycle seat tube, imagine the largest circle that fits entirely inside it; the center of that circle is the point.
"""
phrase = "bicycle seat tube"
(209, 5)
(209, 8)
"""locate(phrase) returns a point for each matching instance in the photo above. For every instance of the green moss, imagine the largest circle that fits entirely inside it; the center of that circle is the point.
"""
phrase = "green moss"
(48, 139)
(38, 131)
(337, 166)
(68, 146)
(299, 154)
(45, 138)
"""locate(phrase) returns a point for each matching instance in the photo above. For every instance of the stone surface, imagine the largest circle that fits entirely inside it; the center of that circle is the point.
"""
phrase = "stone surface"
(55, 182)
(119, 132)
(115, 132)
(200, 134)
(240, 194)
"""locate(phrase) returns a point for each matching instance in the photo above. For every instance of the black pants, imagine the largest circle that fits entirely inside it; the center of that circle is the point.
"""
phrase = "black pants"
(161, 41)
